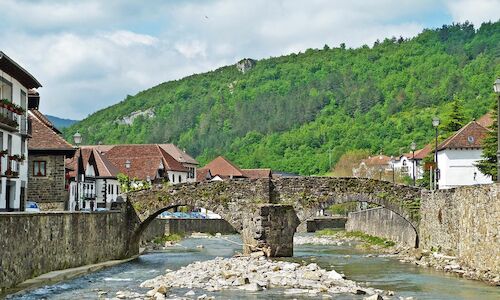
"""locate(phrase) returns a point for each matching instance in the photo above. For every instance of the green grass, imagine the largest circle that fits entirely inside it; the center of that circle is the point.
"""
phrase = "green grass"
(366, 238)
(175, 237)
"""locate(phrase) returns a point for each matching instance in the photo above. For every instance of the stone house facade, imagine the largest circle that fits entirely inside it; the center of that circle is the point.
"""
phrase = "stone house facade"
(47, 152)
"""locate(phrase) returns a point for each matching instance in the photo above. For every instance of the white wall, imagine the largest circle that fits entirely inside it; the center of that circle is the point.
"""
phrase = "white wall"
(457, 167)
(16, 149)
(191, 166)
(173, 177)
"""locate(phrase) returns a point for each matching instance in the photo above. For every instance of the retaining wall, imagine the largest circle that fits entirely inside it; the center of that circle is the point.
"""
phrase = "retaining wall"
(464, 222)
(161, 227)
(383, 223)
(325, 223)
(33, 244)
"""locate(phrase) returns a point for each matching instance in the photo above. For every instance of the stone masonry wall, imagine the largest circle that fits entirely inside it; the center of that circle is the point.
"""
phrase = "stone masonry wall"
(57, 240)
(464, 222)
(161, 227)
(383, 223)
(270, 228)
(49, 191)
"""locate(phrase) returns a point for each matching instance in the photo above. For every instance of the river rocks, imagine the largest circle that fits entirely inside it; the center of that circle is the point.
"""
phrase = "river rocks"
(374, 297)
(315, 240)
(254, 274)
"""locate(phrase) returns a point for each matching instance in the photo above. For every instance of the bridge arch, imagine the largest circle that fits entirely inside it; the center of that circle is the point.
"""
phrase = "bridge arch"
(309, 194)
(239, 201)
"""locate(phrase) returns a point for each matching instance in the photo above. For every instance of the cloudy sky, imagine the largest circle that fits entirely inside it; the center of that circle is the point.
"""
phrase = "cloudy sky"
(91, 54)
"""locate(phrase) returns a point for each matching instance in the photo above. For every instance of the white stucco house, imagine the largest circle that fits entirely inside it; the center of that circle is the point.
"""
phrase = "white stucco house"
(98, 186)
(15, 82)
(409, 161)
(458, 155)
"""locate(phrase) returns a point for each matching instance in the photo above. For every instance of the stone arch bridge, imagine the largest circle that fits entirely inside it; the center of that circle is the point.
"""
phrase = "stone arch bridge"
(267, 211)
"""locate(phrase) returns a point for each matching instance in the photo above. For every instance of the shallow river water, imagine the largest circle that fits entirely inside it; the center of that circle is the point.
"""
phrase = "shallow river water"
(380, 272)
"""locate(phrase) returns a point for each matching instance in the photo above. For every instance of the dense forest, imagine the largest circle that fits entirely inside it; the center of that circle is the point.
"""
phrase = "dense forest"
(301, 112)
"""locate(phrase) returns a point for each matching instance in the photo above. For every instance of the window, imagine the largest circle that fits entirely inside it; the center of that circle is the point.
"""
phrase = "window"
(190, 172)
(23, 99)
(39, 168)
(5, 89)
(173, 178)
(180, 179)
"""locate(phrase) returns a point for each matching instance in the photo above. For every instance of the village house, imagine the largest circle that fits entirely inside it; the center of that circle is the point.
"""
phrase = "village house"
(47, 152)
(98, 167)
(221, 169)
(405, 163)
(15, 82)
(458, 155)
(181, 156)
(98, 185)
(374, 167)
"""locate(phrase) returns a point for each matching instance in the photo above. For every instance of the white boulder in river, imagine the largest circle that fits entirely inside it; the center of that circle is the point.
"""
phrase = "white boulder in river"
(254, 274)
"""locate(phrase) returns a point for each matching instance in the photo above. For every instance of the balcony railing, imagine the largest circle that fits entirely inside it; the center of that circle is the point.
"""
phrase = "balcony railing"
(9, 118)
(89, 191)
(12, 169)
(25, 126)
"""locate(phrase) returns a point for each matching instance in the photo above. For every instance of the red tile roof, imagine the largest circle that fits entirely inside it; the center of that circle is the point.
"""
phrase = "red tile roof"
(486, 120)
(203, 174)
(469, 136)
(377, 160)
(180, 155)
(145, 160)
(223, 167)
(44, 135)
(422, 153)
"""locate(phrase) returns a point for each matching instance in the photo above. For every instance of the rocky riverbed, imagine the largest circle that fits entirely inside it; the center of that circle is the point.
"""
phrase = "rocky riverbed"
(419, 257)
(254, 274)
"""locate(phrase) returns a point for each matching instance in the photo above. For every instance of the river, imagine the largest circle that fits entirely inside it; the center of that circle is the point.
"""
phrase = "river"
(380, 272)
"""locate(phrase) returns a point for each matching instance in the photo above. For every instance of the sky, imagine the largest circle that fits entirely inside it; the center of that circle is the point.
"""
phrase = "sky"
(91, 54)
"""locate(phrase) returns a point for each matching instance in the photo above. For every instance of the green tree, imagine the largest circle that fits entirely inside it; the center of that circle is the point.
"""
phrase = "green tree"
(455, 119)
(488, 165)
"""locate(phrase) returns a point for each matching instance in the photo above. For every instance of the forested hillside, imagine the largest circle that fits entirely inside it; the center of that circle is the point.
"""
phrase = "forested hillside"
(301, 112)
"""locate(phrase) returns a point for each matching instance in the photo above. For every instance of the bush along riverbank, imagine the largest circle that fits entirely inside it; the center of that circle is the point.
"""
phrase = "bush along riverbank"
(254, 273)
(424, 258)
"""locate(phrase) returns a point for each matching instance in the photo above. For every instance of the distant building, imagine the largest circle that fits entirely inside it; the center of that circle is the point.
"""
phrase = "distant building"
(47, 152)
(374, 167)
(406, 162)
(100, 165)
(98, 185)
(181, 156)
(222, 168)
(458, 155)
(15, 82)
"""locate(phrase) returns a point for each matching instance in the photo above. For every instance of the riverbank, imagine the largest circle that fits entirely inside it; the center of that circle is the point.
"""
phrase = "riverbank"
(419, 257)
(66, 274)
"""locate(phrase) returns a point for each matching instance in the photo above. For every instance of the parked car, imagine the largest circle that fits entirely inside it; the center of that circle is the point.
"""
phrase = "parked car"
(166, 215)
(32, 206)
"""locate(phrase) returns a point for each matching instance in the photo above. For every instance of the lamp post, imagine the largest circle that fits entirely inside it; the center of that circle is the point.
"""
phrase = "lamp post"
(413, 147)
(77, 139)
(496, 88)
(435, 123)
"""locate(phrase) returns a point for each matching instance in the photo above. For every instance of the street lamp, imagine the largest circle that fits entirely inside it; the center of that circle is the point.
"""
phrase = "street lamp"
(496, 88)
(435, 123)
(77, 139)
(413, 147)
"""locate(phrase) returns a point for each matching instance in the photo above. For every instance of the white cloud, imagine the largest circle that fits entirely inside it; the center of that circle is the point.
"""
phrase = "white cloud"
(475, 11)
(192, 49)
(91, 54)
(127, 38)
